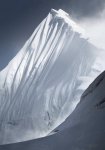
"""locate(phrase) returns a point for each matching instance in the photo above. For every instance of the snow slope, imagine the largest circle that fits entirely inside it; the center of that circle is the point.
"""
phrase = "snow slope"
(84, 129)
(43, 83)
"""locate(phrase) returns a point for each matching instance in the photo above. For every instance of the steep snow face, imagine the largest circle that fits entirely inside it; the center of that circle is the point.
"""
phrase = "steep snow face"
(42, 85)
(84, 129)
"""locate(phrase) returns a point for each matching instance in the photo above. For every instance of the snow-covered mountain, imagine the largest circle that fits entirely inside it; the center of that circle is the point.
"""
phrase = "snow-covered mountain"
(84, 129)
(43, 83)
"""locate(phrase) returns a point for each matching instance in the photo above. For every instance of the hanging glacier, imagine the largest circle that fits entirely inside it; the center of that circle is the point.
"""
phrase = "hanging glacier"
(43, 83)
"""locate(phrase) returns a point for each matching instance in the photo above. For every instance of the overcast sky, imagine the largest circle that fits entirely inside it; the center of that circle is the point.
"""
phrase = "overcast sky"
(19, 18)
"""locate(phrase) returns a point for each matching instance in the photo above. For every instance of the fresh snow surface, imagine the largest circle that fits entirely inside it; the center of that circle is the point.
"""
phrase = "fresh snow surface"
(43, 83)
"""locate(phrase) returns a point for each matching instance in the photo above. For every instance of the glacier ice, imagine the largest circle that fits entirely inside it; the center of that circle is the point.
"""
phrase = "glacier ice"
(43, 83)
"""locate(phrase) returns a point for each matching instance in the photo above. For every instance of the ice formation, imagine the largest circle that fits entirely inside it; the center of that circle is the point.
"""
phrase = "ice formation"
(43, 83)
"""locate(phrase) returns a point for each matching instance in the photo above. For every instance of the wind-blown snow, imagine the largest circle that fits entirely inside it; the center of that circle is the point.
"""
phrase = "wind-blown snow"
(42, 85)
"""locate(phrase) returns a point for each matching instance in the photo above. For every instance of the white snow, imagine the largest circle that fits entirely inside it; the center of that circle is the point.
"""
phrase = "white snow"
(43, 83)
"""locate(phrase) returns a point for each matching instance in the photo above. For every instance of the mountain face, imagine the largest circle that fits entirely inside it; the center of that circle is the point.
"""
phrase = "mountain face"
(43, 83)
(84, 129)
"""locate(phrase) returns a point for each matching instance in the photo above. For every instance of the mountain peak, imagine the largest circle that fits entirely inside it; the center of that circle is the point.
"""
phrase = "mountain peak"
(65, 17)
(49, 75)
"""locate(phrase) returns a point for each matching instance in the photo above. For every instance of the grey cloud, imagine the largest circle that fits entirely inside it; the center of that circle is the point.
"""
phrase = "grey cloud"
(84, 8)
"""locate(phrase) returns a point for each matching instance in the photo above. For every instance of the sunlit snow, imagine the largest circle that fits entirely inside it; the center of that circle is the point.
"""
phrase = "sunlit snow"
(43, 83)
